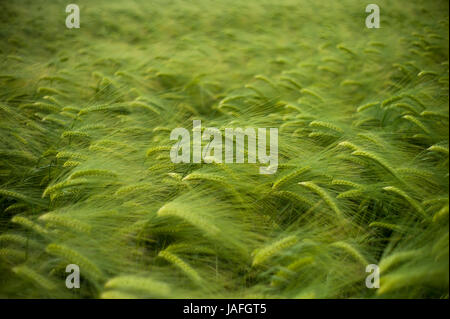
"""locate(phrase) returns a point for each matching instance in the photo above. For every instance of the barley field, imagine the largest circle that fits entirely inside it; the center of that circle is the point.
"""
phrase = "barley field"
(86, 176)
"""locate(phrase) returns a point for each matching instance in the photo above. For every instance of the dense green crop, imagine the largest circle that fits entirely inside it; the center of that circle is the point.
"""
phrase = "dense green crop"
(86, 177)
